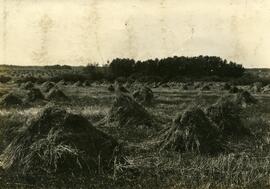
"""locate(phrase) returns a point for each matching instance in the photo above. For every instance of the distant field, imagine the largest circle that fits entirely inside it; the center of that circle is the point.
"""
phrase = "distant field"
(35, 71)
(264, 72)
(41, 72)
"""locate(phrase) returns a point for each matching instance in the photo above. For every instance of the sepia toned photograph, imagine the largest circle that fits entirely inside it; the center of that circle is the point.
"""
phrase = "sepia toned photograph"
(135, 94)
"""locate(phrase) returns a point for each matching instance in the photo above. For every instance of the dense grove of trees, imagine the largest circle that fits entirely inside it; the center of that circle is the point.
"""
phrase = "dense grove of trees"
(177, 66)
(168, 68)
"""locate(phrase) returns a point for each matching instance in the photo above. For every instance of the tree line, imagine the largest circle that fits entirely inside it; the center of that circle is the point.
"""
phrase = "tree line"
(169, 68)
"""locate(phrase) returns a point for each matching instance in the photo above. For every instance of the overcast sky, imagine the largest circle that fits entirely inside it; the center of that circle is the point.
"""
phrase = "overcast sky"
(42, 32)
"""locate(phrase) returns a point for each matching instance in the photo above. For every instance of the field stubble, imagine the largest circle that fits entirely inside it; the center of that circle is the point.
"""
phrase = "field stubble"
(247, 165)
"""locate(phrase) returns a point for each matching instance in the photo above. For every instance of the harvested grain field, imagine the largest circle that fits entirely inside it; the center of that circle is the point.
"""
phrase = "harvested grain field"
(162, 145)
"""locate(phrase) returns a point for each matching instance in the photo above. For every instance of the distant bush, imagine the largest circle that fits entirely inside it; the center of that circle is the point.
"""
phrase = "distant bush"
(122, 67)
(57, 66)
(94, 72)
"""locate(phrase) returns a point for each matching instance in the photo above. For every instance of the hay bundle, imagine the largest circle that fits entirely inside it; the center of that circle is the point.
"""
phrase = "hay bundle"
(111, 88)
(28, 85)
(226, 86)
(126, 112)
(155, 85)
(47, 86)
(159, 84)
(56, 94)
(257, 87)
(192, 131)
(120, 88)
(69, 83)
(185, 87)
(234, 89)
(266, 89)
(144, 95)
(197, 85)
(172, 84)
(244, 98)
(78, 84)
(165, 85)
(86, 84)
(206, 88)
(128, 85)
(11, 99)
(58, 142)
(61, 83)
(226, 114)
(34, 94)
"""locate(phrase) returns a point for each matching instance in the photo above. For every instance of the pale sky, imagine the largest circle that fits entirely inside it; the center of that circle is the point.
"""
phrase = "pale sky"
(43, 32)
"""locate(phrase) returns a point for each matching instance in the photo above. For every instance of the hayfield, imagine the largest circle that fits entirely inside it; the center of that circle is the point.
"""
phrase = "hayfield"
(243, 163)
